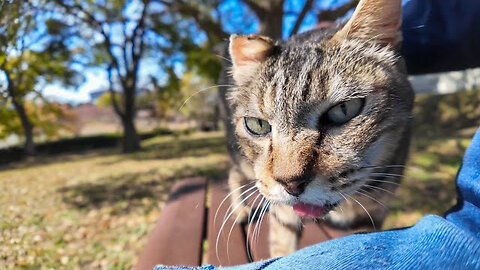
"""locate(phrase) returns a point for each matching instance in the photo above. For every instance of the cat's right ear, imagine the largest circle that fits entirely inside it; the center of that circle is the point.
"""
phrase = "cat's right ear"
(377, 21)
(248, 53)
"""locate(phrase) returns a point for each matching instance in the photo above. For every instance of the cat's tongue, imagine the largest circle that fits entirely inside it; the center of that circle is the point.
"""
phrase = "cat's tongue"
(308, 210)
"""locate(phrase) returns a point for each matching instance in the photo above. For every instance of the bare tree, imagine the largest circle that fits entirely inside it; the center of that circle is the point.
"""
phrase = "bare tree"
(120, 50)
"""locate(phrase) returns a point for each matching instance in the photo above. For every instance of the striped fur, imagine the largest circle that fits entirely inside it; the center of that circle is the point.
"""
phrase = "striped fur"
(291, 84)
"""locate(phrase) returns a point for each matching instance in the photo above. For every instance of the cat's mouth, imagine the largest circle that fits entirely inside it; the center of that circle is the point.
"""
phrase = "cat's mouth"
(312, 211)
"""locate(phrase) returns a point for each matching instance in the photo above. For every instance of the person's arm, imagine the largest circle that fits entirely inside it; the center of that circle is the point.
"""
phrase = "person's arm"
(441, 35)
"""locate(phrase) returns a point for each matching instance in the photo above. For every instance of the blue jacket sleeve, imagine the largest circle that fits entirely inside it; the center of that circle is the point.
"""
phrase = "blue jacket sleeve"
(441, 35)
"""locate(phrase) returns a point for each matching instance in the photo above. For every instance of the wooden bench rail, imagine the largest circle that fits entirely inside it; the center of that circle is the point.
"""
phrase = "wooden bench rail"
(178, 234)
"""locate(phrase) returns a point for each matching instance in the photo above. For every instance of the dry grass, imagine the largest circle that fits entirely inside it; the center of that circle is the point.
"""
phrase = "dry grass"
(94, 210)
(443, 128)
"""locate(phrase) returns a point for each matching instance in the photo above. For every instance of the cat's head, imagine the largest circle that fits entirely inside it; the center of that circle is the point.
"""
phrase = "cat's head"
(312, 116)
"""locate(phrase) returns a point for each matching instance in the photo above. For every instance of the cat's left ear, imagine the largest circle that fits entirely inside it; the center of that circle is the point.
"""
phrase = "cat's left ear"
(248, 53)
(377, 21)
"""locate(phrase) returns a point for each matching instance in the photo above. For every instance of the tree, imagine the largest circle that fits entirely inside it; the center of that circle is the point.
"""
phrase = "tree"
(28, 58)
(13, 39)
(262, 17)
(124, 34)
(120, 35)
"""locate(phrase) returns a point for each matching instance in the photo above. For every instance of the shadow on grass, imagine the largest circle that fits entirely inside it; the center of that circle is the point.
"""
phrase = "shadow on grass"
(184, 147)
(444, 115)
(129, 191)
(443, 127)
(177, 147)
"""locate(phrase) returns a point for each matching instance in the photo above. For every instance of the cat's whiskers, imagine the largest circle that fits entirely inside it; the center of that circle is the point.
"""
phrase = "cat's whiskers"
(229, 234)
(260, 206)
(382, 167)
(224, 58)
(265, 207)
(341, 194)
(370, 197)
(341, 208)
(382, 181)
(388, 175)
(231, 205)
(249, 221)
(233, 225)
(225, 199)
(203, 90)
(258, 221)
(379, 188)
(365, 209)
(227, 218)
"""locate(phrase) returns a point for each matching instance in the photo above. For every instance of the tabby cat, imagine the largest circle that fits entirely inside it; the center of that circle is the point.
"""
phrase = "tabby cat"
(321, 122)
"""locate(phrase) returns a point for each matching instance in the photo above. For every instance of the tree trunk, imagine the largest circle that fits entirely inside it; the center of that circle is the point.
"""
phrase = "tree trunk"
(131, 140)
(29, 146)
(271, 23)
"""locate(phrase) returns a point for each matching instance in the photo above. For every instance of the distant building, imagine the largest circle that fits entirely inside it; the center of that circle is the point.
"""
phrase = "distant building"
(447, 82)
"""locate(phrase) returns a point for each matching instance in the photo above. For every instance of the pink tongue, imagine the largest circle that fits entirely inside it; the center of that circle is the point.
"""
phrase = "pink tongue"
(308, 210)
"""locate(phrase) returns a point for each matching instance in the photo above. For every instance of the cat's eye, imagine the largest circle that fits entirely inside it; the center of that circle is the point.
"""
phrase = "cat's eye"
(345, 111)
(256, 126)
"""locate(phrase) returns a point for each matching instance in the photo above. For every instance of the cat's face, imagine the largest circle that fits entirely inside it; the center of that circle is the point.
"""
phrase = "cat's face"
(315, 118)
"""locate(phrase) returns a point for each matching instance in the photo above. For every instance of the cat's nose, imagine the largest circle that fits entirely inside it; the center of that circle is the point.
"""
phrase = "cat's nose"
(294, 188)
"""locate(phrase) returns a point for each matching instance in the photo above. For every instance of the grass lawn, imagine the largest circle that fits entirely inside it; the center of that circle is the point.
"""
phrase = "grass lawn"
(93, 210)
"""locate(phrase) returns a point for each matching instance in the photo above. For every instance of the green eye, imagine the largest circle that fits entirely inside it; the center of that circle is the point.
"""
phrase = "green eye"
(345, 111)
(256, 126)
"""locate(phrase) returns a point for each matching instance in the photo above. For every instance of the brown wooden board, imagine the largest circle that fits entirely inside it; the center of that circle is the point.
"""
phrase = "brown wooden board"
(312, 234)
(178, 235)
(231, 243)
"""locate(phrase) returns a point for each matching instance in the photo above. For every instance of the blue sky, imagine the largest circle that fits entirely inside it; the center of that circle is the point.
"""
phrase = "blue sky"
(96, 78)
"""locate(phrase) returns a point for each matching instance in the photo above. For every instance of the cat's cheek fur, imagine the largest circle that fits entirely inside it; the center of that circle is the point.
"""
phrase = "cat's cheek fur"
(382, 149)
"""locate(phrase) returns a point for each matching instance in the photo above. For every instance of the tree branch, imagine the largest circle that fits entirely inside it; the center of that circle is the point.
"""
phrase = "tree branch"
(10, 86)
(124, 46)
(334, 14)
(255, 7)
(116, 107)
(212, 28)
(301, 17)
(108, 46)
(138, 35)
(95, 24)
(90, 18)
